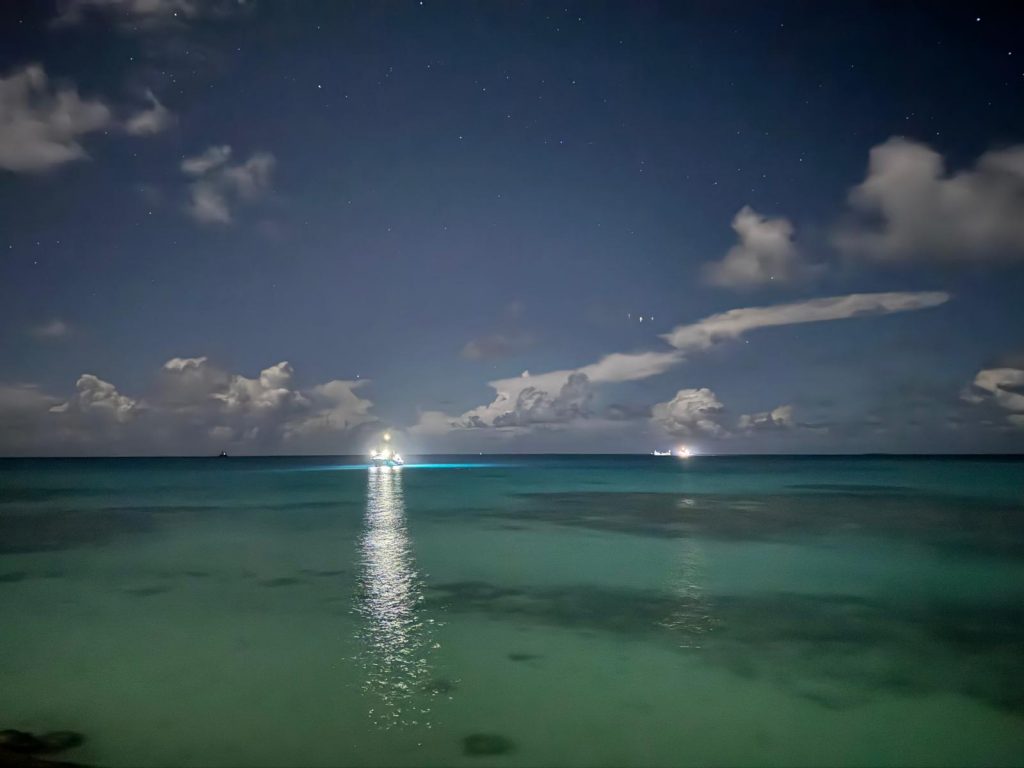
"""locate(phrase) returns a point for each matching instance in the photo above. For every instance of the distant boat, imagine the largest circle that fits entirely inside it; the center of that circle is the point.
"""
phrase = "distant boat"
(222, 455)
(661, 453)
(383, 456)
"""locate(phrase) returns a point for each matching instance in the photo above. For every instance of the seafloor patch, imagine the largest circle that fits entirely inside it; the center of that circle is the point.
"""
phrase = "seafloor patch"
(836, 650)
(281, 581)
(147, 591)
(479, 744)
(947, 522)
(24, 530)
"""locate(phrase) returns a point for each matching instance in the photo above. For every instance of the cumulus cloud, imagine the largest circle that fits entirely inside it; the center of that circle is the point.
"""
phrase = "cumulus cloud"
(780, 418)
(765, 255)
(909, 207)
(334, 407)
(40, 126)
(54, 329)
(1002, 386)
(691, 412)
(98, 397)
(149, 121)
(194, 407)
(510, 398)
(217, 185)
(736, 322)
(535, 406)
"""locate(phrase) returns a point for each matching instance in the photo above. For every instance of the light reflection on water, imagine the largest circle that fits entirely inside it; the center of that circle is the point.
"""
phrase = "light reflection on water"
(693, 617)
(396, 636)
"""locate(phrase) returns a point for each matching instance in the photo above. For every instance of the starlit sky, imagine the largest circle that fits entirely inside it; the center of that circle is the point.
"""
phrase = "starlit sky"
(284, 227)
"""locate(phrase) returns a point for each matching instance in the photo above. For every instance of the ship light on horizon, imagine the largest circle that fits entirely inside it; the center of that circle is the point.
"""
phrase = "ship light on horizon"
(684, 452)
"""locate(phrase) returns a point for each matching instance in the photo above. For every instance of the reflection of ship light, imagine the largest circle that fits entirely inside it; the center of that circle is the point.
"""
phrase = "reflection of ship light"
(395, 636)
(692, 616)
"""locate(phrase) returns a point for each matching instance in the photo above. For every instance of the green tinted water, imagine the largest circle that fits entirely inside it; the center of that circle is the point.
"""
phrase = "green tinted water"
(576, 611)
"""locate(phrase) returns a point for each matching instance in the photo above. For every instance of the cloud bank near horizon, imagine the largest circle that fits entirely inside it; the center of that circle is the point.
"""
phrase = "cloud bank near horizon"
(516, 399)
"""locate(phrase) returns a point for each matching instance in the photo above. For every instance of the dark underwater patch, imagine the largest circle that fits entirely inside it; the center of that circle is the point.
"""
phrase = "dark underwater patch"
(852, 488)
(479, 744)
(12, 577)
(323, 573)
(283, 581)
(24, 530)
(838, 651)
(51, 531)
(950, 523)
(149, 591)
(520, 656)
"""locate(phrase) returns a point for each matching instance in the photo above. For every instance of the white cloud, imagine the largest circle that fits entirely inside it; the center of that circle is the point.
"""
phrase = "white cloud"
(536, 406)
(149, 121)
(691, 412)
(765, 255)
(194, 407)
(509, 393)
(777, 418)
(1004, 387)
(54, 329)
(334, 407)
(40, 126)
(433, 423)
(513, 396)
(99, 397)
(138, 11)
(213, 157)
(909, 207)
(185, 363)
(217, 185)
(734, 323)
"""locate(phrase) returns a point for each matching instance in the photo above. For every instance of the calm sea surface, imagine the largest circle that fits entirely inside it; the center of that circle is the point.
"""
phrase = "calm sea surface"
(631, 611)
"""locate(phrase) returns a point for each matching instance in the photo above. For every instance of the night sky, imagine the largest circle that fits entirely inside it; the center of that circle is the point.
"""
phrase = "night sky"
(271, 227)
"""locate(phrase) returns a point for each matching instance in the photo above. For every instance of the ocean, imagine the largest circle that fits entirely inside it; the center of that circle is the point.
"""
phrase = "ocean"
(516, 610)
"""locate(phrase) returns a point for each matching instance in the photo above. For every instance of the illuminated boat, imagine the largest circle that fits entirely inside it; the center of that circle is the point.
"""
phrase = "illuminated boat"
(383, 456)
(661, 453)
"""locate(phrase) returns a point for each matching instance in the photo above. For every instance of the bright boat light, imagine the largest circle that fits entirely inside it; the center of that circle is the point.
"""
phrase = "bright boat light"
(683, 452)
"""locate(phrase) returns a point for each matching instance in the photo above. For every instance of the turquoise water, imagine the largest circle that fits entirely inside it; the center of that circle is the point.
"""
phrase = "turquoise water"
(551, 610)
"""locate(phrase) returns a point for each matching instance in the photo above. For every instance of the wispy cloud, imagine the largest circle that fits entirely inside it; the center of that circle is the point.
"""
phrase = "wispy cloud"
(53, 329)
(1002, 386)
(736, 322)
(218, 185)
(149, 121)
(144, 14)
(40, 125)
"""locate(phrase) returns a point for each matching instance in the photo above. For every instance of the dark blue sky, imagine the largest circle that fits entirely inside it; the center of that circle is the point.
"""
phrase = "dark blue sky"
(434, 196)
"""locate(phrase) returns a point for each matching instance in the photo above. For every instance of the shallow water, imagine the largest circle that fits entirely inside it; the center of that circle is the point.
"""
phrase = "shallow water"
(516, 611)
